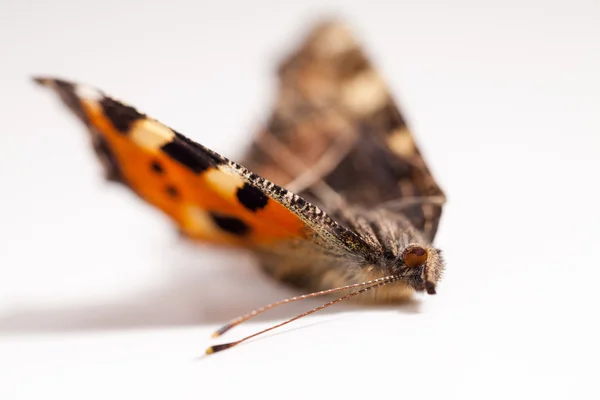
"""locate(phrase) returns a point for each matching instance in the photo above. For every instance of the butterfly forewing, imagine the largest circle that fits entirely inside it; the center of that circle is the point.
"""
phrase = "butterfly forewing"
(208, 196)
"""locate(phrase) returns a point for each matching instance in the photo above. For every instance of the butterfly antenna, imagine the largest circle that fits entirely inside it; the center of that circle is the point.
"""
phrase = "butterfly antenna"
(254, 313)
(380, 282)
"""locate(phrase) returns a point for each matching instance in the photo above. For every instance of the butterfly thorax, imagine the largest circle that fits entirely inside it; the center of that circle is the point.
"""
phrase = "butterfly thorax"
(390, 239)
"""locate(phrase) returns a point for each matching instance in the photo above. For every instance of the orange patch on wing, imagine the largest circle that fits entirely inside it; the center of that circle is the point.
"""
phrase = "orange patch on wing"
(187, 197)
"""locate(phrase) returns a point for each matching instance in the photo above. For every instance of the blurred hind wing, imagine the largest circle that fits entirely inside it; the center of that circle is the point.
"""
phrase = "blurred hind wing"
(336, 127)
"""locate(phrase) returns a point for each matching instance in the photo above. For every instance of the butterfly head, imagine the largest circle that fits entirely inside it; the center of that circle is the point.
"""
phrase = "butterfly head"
(421, 267)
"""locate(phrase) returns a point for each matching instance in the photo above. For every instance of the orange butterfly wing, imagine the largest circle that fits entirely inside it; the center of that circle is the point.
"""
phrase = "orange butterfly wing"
(209, 197)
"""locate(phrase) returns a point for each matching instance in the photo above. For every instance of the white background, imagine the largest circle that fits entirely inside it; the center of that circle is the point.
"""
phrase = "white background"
(100, 299)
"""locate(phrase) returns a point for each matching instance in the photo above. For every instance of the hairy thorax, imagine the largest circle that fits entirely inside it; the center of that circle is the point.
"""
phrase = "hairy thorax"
(387, 234)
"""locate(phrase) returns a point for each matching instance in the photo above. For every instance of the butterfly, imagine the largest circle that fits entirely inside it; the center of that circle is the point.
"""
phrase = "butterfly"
(332, 196)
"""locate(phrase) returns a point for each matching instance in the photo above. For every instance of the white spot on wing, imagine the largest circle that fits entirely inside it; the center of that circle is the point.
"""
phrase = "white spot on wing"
(401, 142)
(223, 181)
(365, 93)
(151, 134)
(88, 93)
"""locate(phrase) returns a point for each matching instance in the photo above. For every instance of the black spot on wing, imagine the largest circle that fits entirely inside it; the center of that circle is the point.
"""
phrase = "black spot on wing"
(172, 191)
(157, 167)
(215, 158)
(120, 115)
(252, 198)
(190, 154)
(232, 225)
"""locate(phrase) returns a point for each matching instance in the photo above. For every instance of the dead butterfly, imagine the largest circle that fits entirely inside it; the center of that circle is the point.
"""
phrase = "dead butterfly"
(334, 195)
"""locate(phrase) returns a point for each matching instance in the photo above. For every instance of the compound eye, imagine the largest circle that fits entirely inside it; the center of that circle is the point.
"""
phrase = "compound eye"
(415, 256)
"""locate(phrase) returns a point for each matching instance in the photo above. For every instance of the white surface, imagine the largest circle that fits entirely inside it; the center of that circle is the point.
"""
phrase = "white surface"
(99, 299)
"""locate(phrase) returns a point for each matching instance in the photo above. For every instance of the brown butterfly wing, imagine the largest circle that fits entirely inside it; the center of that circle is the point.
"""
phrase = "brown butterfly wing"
(336, 128)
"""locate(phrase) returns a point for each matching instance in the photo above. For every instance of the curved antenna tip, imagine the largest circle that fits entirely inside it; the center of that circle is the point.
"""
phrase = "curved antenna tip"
(219, 347)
